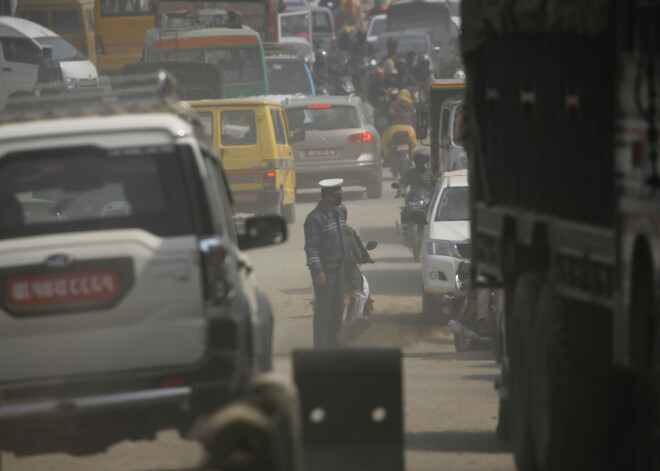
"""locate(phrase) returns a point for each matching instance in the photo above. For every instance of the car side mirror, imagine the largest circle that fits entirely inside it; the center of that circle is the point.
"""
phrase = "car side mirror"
(394, 185)
(262, 231)
(417, 217)
(422, 125)
(372, 244)
(298, 135)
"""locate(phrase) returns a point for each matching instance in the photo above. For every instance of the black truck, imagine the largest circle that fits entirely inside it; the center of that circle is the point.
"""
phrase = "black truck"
(562, 137)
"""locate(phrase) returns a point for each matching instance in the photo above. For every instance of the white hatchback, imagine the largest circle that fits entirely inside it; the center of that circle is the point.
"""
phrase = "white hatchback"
(447, 239)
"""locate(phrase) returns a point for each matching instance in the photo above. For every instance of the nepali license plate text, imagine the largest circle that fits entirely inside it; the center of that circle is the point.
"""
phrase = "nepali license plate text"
(62, 287)
(322, 153)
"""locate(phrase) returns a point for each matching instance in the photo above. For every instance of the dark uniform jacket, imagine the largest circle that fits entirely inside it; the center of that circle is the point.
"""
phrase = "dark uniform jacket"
(417, 178)
(326, 240)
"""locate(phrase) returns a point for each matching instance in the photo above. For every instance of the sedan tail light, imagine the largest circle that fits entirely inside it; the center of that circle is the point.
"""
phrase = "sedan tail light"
(217, 288)
(360, 138)
(269, 180)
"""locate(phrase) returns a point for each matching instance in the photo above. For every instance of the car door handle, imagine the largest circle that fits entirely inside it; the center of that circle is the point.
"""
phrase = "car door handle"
(6, 69)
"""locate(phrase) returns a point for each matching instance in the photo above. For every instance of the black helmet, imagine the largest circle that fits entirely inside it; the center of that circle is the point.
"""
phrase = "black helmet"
(421, 157)
(423, 60)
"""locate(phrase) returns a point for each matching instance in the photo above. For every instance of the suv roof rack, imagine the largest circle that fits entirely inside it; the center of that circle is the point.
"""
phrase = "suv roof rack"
(281, 50)
(122, 95)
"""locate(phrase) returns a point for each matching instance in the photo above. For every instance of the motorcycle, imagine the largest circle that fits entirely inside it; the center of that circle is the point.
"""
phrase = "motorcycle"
(414, 210)
(400, 145)
(470, 332)
(357, 300)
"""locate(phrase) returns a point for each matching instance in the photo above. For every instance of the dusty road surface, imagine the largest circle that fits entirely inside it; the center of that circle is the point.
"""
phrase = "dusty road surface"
(450, 404)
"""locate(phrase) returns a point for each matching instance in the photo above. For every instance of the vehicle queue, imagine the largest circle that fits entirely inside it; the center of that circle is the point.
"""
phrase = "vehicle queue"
(267, 144)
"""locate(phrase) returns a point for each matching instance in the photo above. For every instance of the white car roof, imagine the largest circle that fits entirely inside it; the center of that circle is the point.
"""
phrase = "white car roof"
(456, 178)
(25, 27)
(170, 125)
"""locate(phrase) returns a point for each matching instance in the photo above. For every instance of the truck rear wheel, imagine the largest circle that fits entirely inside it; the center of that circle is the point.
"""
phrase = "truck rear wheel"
(569, 392)
(519, 345)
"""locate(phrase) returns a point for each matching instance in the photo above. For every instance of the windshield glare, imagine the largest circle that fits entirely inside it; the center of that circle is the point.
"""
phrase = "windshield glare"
(288, 78)
(453, 205)
(62, 50)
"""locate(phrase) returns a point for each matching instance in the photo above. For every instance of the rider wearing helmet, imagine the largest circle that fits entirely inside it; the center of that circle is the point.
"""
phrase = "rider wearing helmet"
(345, 41)
(405, 79)
(391, 77)
(418, 177)
(422, 70)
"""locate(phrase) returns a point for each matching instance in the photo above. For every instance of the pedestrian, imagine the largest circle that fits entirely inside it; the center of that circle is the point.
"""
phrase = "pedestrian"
(326, 247)
(49, 69)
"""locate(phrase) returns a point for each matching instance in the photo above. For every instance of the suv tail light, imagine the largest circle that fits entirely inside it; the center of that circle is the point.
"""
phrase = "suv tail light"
(100, 48)
(269, 180)
(360, 138)
(217, 288)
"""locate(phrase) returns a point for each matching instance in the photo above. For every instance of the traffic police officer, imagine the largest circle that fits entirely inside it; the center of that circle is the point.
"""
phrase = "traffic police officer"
(326, 247)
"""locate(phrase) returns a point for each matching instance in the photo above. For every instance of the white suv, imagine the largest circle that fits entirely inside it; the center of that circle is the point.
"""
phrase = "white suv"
(447, 240)
(127, 305)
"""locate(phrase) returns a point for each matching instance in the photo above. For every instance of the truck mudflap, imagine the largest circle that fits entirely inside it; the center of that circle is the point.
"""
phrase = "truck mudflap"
(351, 403)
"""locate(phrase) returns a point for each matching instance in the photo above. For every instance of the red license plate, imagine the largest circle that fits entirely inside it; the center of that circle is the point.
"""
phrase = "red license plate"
(62, 287)
(322, 153)
(245, 197)
(402, 147)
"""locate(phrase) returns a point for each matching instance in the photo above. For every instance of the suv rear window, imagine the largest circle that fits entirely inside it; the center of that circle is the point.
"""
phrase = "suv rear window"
(87, 189)
(323, 117)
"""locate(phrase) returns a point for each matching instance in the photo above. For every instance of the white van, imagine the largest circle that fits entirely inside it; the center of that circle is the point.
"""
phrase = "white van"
(21, 44)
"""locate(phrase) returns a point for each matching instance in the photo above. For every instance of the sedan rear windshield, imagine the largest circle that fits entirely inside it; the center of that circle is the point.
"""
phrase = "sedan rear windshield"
(323, 117)
(88, 189)
(288, 78)
(453, 205)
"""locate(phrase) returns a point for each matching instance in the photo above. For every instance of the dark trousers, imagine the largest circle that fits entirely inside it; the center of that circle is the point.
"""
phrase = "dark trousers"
(329, 308)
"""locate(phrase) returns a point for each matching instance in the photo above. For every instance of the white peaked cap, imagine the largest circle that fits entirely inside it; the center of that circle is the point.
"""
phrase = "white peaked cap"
(331, 183)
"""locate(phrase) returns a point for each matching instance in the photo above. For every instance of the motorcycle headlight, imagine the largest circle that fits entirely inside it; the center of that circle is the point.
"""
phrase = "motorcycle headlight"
(439, 247)
(416, 204)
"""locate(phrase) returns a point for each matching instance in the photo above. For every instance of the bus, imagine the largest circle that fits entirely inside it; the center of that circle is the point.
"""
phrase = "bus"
(120, 29)
(260, 15)
(236, 49)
